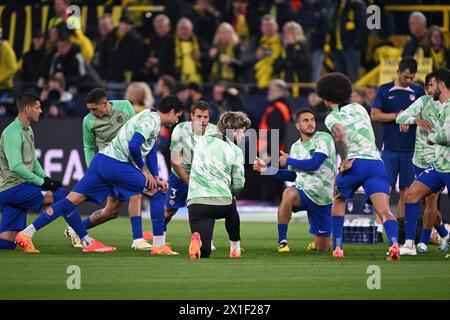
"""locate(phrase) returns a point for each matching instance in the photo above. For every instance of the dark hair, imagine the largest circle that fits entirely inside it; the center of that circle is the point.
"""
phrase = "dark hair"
(302, 111)
(168, 103)
(334, 87)
(96, 96)
(168, 81)
(408, 63)
(428, 78)
(201, 105)
(443, 74)
(26, 100)
(194, 86)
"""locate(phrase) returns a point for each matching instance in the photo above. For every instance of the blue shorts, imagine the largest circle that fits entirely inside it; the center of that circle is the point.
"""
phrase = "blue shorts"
(15, 202)
(399, 164)
(319, 217)
(370, 174)
(107, 176)
(417, 171)
(178, 191)
(434, 180)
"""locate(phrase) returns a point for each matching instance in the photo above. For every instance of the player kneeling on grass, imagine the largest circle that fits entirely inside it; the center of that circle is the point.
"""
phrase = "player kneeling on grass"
(361, 164)
(217, 175)
(120, 168)
(312, 165)
(23, 183)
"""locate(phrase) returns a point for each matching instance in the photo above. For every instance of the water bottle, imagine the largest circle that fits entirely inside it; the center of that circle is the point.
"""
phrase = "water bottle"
(347, 231)
(366, 231)
(353, 231)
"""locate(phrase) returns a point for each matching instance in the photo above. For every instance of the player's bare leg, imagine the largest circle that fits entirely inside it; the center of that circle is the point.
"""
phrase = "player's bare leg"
(337, 217)
(380, 203)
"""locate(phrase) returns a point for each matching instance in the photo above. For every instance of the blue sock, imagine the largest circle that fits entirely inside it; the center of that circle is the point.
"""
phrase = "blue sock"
(282, 232)
(59, 208)
(425, 237)
(441, 230)
(338, 229)
(73, 218)
(157, 213)
(391, 229)
(136, 227)
(7, 245)
(59, 194)
(412, 213)
(87, 223)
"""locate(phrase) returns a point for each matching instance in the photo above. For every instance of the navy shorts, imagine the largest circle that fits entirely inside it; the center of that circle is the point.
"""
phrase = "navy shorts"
(110, 177)
(319, 217)
(177, 194)
(370, 174)
(399, 164)
(417, 171)
(434, 180)
(15, 202)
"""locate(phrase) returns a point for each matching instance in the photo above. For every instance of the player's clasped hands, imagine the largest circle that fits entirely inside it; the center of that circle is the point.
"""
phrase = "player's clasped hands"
(259, 165)
(424, 123)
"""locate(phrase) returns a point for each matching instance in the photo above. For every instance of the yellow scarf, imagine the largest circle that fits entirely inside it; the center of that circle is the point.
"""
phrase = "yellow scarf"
(264, 67)
(222, 71)
(438, 58)
(242, 28)
(188, 67)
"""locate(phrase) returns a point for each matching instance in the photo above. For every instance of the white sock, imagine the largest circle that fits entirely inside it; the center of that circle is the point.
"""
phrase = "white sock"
(159, 241)
(235, 245)
(138, 240)
(30, 231)
(87, 240)
(409, 243)
(380, 228)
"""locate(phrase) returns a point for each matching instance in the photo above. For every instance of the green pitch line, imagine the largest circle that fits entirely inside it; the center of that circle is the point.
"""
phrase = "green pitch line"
(262, 273)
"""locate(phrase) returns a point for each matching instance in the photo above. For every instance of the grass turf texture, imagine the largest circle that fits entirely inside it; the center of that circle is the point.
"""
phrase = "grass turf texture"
(262, 272)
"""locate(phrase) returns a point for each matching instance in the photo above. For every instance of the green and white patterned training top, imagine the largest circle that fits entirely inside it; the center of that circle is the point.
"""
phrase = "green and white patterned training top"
(99, 132)
(318, 185)
(184, 139)
(217, 171)
(428, 109)
(147, 123)
(441, 136)
(358, 129)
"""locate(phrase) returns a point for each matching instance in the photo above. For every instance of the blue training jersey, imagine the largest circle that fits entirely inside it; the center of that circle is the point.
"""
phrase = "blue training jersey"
(393, 99)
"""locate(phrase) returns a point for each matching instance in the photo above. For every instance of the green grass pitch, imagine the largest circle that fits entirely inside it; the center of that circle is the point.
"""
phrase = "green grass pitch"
(262, 273)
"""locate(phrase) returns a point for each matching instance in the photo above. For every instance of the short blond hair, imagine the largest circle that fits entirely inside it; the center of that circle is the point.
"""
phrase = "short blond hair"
(296, 29)
(233, 120)
(227, 27)
(148, 96)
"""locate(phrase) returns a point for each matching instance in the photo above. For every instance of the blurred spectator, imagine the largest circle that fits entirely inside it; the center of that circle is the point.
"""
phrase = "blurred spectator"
(121, 54)
(195, 94)
(282, 10)
(266, 51)
(225, 98)
(182, 57)
(69, 61)
(316, 103)
(225, 55)
(275, 119)
(150, 66)
(313, 17)
(294, 63)
(243, 20)
(433, 47)
(371, 92)
(359, 95)
(140, 95)
(33, 61)
(8, 64)
(8, 67)
(417, 28)
(204, 17)
(164, 86)
(60, 9)
(183, 93)
(348, 36)
(105, 26)
(56, 101)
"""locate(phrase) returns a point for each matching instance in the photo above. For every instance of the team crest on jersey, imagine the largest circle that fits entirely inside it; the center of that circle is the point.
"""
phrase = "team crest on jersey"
(119, 119)
(412, 97)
